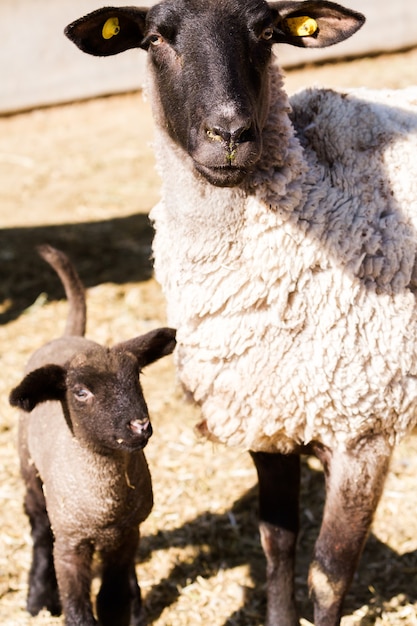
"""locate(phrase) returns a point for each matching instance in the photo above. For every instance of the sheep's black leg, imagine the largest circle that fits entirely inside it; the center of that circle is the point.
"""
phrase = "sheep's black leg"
(43, 588)
(279, 485)
(73, 569)
(119, 600)
(354, 482)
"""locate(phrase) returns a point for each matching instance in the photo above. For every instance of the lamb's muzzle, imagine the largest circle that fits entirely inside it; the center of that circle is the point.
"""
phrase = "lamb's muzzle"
(136, 436)
(142, 428)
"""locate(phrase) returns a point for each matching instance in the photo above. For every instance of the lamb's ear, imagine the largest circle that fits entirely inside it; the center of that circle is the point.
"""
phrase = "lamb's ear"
(314, 24)
(44, 383)
(109, 30)
(151, 346)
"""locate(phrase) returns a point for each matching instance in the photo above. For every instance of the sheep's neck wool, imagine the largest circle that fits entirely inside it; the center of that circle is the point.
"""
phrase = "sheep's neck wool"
(294, 295)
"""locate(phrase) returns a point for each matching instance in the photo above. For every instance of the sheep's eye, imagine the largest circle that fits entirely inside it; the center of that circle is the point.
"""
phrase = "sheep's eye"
(267, 33)
(156, 40)
(82, 394)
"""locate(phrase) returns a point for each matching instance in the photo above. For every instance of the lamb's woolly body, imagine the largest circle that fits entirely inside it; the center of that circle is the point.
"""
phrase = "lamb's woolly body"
(100, 497)
(294, 298)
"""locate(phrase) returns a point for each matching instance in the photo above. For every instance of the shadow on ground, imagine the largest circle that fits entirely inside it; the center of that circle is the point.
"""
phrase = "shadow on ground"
(117, 251)
(228, 540)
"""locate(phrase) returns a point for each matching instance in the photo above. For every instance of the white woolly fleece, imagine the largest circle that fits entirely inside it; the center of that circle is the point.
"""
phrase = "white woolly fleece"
(295, 297)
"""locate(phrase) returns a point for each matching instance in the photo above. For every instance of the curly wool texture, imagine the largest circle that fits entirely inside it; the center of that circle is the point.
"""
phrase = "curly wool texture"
(295, 297)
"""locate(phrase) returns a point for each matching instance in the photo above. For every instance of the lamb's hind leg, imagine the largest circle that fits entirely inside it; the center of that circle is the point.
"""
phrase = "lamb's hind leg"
(279, 484)
(43, 588)
(354, 482)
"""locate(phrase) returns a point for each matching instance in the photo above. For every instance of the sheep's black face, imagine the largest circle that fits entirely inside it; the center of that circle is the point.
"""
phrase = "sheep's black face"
(209, 64)
(106, 403)
(209, 60)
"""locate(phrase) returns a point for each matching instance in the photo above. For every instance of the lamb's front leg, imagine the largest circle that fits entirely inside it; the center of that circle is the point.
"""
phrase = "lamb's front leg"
(119, 598)
(73, 570)
(354, 482)
(279, 485)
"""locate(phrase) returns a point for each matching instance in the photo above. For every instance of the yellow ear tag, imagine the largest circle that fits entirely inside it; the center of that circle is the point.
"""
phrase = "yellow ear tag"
(302, 26)
(111, 28)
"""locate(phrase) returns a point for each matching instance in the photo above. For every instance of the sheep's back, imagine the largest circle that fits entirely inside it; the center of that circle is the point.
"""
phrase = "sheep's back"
(361, 147)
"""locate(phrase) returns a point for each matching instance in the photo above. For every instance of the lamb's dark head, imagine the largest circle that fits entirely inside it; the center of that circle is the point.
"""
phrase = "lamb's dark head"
(209, 62)
(100, 391)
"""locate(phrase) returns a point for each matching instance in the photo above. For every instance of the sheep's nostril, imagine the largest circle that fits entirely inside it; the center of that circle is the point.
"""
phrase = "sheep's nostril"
(245, 134)
(141, 427)
(229, 134)
(217, 134)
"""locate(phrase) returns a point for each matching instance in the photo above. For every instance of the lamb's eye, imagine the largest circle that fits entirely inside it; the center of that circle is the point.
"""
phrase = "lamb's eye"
(267, 33)
(156, 40)
(82, 394)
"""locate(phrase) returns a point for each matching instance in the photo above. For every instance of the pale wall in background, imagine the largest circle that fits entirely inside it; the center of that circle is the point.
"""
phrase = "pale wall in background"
(39, 66)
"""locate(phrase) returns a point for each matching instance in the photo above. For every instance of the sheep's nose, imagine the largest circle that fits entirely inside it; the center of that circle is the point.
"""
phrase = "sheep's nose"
(232, 133)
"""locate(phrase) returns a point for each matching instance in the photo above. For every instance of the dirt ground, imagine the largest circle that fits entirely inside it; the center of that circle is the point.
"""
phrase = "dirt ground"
(81, 177)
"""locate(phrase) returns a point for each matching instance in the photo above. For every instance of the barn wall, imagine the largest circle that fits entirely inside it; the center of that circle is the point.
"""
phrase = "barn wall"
(39, 66)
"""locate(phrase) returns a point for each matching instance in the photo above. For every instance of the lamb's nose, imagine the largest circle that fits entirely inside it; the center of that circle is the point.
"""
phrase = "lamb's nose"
(141, 427)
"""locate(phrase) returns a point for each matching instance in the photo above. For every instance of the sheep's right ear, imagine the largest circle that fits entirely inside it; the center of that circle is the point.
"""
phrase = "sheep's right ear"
(314, 23)
(109, 30)
(44, 383)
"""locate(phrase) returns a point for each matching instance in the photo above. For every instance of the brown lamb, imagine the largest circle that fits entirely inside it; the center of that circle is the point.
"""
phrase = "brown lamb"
(83, 426)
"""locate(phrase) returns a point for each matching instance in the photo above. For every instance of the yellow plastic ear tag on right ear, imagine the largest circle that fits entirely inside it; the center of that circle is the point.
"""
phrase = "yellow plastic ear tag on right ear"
(111, 28)
(301, 26)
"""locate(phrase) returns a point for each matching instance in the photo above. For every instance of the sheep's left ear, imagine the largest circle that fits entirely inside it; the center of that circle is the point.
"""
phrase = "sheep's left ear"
(151, 346)
(109, 30)
(313, 24)
(44, 383)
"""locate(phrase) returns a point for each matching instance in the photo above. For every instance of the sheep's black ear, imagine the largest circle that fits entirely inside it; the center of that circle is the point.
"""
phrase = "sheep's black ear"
(44, 383)
(314, 24)
(109, 30)
(151, 346)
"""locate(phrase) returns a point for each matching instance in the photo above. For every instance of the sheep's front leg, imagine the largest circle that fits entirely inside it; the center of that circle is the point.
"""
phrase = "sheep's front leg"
(354, 482)
(119, 599)
(279, 485)
(73, 570)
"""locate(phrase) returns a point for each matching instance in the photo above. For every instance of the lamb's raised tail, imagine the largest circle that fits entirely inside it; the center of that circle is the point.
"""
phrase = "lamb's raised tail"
(74, 289)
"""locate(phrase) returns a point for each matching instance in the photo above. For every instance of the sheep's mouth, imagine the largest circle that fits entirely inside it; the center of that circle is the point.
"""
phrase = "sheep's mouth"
(223, 176)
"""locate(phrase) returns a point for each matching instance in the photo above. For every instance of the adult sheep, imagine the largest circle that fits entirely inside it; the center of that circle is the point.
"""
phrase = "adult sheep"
(87, 482)
(286, 246)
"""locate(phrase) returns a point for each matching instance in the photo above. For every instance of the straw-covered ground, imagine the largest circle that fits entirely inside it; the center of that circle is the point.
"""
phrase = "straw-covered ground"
(81, 177)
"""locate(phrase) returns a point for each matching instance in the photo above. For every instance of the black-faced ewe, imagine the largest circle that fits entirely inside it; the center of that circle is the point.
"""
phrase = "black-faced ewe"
(88, 485)
(286, 246)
